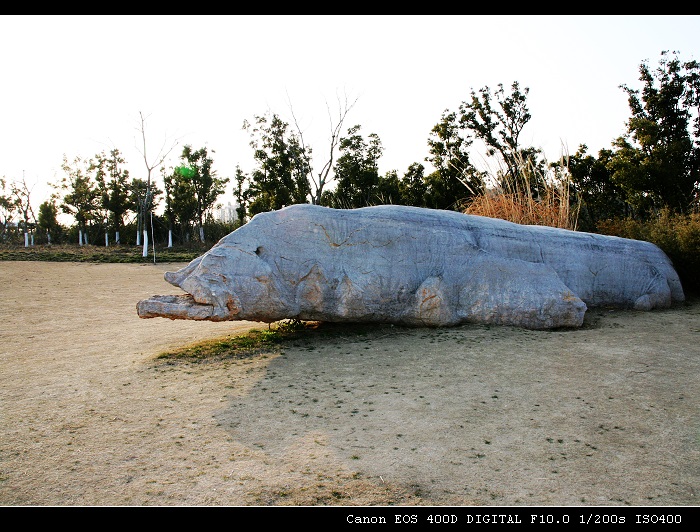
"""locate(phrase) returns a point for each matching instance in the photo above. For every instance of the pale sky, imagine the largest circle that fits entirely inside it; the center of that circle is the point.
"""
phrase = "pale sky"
(75, 85)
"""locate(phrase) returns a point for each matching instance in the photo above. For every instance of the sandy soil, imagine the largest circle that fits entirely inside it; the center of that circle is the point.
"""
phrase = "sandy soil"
(471, 415)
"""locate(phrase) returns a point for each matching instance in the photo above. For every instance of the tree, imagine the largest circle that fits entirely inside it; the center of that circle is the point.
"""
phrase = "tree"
(180, 201)
(169, 213)
(8, 210)
(23, 203)
(599, 196)
(142, 198)
(357, 171)
(204, 184)
(413, 187)
(113, 185)
(281, 176)
(324, 177)
(388, 190)
(498, 121)
(657, 161)
(241, 195)
(48, 219)
(455, 178)
(81, 196)
(145, 201)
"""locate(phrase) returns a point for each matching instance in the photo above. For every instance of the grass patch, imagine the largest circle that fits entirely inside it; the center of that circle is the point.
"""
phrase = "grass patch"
(95, 254)
(253, 342)
(269, 341)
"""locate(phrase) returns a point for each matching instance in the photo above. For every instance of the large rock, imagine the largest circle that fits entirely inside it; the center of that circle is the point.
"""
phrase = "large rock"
(414, 266)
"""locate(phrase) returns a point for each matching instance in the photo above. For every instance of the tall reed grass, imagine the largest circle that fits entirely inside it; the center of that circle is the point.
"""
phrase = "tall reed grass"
(537, 198)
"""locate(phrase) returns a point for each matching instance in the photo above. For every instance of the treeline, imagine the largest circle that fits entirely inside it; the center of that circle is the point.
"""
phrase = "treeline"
(103, 200)
(651, 171)
(654, 165)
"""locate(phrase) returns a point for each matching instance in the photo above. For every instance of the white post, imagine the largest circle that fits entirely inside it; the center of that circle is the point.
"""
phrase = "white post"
(106, 239)
(170, 238)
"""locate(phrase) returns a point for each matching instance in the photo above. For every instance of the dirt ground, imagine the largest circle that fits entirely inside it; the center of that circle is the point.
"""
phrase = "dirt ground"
(471, 415)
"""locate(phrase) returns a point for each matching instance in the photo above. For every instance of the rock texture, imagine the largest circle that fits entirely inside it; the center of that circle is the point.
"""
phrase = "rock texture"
(413, 266)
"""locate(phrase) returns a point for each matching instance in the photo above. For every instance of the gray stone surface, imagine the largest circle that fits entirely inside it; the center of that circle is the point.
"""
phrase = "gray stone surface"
(413, 266)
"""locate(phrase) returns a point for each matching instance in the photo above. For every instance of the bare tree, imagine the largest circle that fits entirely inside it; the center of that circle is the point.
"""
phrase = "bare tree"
(145, 214)
(324, 177)
(22, 195)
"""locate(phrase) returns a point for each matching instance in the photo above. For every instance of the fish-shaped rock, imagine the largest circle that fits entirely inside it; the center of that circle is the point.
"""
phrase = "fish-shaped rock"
(414, 266)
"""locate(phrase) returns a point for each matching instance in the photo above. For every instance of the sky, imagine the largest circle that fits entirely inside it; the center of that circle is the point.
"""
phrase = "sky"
(76, 85)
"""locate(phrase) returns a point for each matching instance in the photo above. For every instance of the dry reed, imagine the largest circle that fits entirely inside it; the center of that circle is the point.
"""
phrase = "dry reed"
(521, 202)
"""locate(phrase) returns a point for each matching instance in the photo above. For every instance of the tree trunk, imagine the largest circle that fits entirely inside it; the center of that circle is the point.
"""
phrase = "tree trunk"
(26, 239)
(145, 243)
(80, 237)
(106, 239)
(201, 233)
(116, 237)
(170, 238)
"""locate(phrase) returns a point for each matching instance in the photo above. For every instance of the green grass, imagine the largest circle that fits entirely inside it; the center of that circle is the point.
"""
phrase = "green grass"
(267, 341)
(89, 253)
(251, 343)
